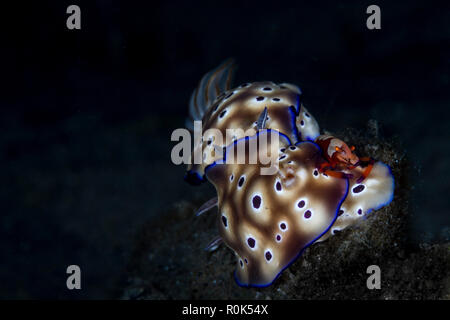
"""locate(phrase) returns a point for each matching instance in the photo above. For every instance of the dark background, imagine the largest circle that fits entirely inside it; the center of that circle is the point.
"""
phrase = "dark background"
(87, 114)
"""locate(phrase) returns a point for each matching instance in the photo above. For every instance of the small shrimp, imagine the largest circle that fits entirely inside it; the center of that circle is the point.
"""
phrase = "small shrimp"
(340, 157)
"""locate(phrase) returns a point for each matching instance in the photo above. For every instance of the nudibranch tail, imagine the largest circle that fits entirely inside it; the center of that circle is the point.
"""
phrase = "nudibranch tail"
(376, 191)
(268, 220)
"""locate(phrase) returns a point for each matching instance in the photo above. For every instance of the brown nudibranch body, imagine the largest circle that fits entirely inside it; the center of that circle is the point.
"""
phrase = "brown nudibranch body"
(237, 110)
(316, 187)
(267, 220)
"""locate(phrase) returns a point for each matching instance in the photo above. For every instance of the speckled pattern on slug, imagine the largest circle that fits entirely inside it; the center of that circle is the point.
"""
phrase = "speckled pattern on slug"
(267, 230)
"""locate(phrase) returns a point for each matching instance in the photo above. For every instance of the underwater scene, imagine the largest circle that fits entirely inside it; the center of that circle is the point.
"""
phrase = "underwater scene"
(184, 150)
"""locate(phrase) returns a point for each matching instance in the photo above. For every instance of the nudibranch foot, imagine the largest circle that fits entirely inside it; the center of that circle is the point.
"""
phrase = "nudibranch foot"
(208, 205)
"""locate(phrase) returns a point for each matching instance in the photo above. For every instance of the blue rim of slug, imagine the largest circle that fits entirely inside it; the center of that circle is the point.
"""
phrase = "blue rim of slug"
(294, 112)
(296, 133)
(392, 194)
(194, 178)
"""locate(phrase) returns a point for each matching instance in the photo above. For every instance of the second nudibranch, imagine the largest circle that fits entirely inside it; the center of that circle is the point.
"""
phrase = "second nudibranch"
(320, 186)
(226, 110)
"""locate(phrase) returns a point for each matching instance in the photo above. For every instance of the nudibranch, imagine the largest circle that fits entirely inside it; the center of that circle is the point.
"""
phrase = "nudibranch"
(238, 110)
(318, 187)
(268, 220)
